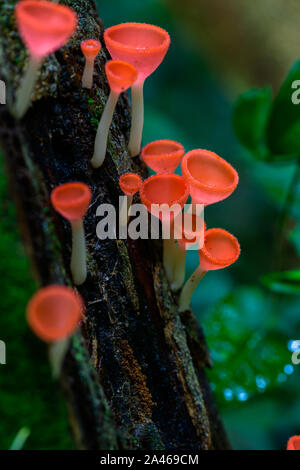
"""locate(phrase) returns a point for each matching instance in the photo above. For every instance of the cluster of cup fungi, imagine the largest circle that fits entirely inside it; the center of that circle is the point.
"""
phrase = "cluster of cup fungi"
(137, 49)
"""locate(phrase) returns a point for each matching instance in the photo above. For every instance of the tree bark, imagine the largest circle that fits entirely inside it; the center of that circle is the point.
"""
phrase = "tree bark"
(134, 374)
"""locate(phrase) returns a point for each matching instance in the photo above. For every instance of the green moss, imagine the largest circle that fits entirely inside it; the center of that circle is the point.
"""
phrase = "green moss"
(28, 396)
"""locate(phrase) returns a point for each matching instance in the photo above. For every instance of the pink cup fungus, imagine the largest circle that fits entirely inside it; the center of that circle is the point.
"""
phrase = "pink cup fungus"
(53, 314)
(144, 46)
(293, 443)
(163, 156)
(130, 184)
(120, 76)
(220, 250)
(210, 177)
(44, 27)
(164, 197)
(72, 200)
(189, 231)
(90, 49)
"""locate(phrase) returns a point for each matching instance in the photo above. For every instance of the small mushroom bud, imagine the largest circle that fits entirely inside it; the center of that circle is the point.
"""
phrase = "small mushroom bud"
(90, 49)
(189, 232)
(120, 76)
(220, 250)
(144, 46)
(164, 197)
(210, 178)
(44, 27)
(163, 156)
(130, 184)
(293, 443)
(72, 200)
(53, 314)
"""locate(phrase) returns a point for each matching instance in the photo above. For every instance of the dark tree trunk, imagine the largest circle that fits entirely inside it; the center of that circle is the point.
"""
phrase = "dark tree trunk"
(134, 375)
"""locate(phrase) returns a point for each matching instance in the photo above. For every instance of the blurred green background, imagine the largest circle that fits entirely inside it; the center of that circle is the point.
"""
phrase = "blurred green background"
(250, 330)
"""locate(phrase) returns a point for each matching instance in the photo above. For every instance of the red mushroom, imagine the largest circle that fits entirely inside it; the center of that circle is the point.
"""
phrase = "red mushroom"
(90, 49)
(130, 184)
(120, 76)
(44, 27)
(220, 250)
(210, 177)
(53, 314)
(189, 232)
(293, 443)
(164, 197)
(72, 200)
(163, 156)
(144, 46)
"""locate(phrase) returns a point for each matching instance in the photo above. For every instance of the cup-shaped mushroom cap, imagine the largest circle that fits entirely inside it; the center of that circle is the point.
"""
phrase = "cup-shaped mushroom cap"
(220, 250)
(189, 230)
(71, 200)
(164, 195)
(163, 156)
(142, 45)
(210, 177)
(53, 313)
(294, 443)
(44, 26)
(90, 48)
(120, 75)
(130, 183)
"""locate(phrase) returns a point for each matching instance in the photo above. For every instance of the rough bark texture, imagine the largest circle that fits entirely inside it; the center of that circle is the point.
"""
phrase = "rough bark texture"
(134, 375)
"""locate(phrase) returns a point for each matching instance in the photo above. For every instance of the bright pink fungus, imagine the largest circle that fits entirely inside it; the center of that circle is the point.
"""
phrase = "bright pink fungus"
(90, 48)
(142, 45)
(293, 443)
(71, 200)
(163, 156)
(220, 250)
(130, 183)
(211, 179)
(120, 75)
(44, 26)
(169, 190)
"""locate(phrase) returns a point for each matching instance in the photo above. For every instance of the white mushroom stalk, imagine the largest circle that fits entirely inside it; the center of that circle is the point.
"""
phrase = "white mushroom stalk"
(188, 289)
(78, 257)
(120, 76)
(137, 119)
(23, 95)
(103, 130)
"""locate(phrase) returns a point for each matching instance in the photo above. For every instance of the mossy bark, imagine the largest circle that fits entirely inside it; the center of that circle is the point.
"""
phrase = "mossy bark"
(134, 375)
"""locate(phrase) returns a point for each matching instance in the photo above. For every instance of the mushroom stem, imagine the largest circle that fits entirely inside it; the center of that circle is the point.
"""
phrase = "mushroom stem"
(103, 129)
(57, 354)
(24, 93)
(179, 269)
(137, 119)
(78, 258)
(124, 211)
(169, 248)
(88, 74)
(188, 289)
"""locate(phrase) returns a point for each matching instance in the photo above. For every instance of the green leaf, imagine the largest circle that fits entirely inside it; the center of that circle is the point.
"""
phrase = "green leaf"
(250, 118)
(283, 130)
(285, 282)
(249, 358)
